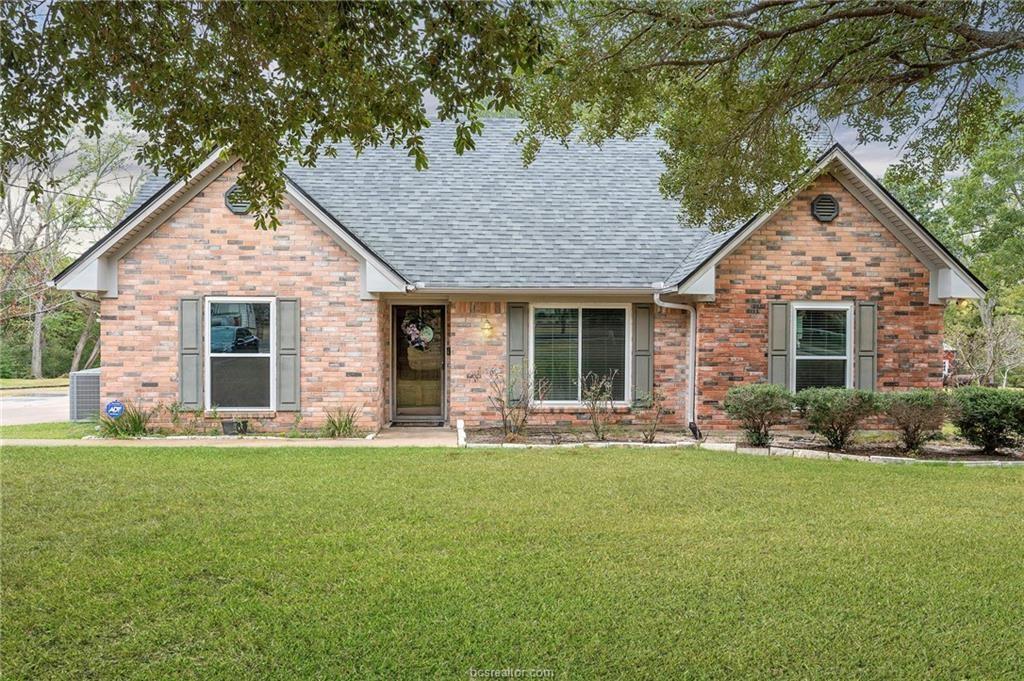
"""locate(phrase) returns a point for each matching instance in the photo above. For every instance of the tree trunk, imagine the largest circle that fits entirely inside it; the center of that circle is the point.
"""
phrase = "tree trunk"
(93, 355)
(38, 342)
(83, 338)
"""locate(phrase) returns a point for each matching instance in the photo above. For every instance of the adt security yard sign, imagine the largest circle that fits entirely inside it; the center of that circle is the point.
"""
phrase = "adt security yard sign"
(114, 409)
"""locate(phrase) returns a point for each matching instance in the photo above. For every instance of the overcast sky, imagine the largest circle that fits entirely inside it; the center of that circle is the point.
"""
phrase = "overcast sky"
(875, 157)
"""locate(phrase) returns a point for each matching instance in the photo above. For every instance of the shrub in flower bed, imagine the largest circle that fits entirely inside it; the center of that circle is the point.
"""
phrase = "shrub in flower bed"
(758, 407)
(834, 413)
(918, 414)
(989, 418)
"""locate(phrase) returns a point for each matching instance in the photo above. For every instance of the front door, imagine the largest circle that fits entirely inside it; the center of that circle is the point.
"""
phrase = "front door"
(419, 343)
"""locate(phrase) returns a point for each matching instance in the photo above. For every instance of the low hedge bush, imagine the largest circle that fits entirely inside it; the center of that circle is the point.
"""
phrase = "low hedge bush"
(834, 413)
(917, 414)
(989, 418)
(758, 407)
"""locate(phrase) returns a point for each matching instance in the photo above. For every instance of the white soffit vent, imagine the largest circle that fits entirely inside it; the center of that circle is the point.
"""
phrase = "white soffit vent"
(825, 208)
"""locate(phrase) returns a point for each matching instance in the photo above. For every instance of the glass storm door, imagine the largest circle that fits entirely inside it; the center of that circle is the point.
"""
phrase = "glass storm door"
(419, 343)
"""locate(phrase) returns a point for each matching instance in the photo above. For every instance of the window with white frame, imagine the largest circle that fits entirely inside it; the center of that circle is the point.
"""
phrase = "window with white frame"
(573, 344)
(822, 346)
(240, 338)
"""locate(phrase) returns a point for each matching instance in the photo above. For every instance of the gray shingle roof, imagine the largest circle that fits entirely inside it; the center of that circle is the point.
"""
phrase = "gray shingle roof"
(578, 217)
(705, 248)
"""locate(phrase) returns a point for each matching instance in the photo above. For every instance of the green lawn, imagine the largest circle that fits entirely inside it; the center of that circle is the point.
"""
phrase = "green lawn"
(10, 383)
(59, 430)
(355, 563)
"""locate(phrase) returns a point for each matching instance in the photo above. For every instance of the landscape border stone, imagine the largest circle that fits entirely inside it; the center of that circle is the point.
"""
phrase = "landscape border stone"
(816, 454)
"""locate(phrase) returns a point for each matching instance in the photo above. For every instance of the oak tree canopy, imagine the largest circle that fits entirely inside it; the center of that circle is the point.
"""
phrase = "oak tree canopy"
(735, 88)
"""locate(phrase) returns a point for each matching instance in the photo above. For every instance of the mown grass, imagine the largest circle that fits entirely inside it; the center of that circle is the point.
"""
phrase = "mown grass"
(59, 430)
(22, 383)
(358, 563)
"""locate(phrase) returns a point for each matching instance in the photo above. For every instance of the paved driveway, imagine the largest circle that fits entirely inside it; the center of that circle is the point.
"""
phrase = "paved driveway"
(42, 405)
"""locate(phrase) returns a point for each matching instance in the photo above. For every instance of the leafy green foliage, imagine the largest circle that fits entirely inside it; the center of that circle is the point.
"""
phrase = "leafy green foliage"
(270, 82)
(835, 413)
(758, 407)
(183, 420)
(340, 423)
(61, 330)
(917, 414)
(989, 417)
(738, 89)
(979, 213)
(133, 422)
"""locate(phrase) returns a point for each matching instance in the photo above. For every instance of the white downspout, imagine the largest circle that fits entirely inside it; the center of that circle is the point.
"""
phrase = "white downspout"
(692, 402)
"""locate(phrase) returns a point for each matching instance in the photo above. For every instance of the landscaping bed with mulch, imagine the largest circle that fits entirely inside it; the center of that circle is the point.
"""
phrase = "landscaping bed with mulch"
(558, 435)
(885, 444)
(880, 443)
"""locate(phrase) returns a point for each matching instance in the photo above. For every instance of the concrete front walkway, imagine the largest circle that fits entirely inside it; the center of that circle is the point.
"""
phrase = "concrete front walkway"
(388, 437)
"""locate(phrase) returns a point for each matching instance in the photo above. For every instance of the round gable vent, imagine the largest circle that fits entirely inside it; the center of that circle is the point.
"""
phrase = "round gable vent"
(235, 202)
(824, 208)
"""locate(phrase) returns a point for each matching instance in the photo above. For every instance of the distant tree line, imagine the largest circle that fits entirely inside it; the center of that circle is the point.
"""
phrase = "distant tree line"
(83, 190)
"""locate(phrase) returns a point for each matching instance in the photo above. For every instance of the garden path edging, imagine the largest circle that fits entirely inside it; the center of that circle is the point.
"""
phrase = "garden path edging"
(840, 456)
(792, 452)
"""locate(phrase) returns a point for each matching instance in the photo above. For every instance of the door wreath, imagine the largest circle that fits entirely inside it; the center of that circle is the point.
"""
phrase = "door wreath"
(418, 331)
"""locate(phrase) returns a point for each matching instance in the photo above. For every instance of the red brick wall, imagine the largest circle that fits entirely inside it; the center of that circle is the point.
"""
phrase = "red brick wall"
(478, 342)
(794, 257)
(203, 250)
(671, 367)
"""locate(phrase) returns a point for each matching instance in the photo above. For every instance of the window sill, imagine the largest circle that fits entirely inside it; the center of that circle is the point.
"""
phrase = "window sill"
(241, 413)
(577, 407)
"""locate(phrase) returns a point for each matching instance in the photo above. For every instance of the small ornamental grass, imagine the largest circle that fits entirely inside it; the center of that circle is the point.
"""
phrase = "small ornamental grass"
(133, 422)
(834, 413)
(917, 414)
(989, 417)
(758, 407)
(341, 423)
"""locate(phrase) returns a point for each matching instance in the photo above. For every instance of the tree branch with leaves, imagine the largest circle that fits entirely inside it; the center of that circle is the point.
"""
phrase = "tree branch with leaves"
(738, 90)
(272, 82)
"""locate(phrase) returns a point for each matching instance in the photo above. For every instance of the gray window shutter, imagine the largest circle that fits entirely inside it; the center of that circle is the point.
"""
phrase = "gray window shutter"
(288, 377)
(778, 344)
(866, 345)
(190, 353)
(518, 330)
(643, 351)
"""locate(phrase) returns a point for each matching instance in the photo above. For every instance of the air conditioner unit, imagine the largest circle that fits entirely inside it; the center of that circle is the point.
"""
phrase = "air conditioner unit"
(84, 395)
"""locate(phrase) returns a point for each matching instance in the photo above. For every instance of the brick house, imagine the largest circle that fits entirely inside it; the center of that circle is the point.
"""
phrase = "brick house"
(397, 292)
